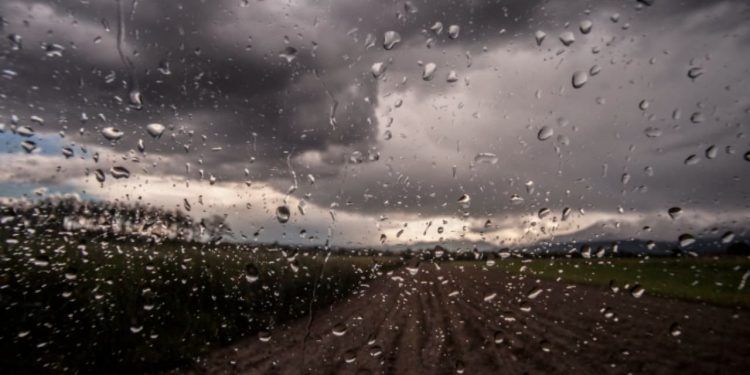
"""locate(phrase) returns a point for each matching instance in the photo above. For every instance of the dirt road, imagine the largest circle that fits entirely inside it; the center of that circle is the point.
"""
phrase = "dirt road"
(449, 319)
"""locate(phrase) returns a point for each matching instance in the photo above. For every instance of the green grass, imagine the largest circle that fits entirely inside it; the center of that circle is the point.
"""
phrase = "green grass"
(95, 307)
(707, 279)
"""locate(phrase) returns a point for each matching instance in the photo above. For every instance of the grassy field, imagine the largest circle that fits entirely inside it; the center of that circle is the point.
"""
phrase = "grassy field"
(714, 280)
(117, 307)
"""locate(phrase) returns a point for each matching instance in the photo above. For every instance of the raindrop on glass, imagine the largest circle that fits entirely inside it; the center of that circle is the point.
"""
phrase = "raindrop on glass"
(579, 79)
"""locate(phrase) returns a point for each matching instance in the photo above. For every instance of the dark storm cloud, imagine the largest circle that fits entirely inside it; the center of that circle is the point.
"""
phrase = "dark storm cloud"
(241, 92)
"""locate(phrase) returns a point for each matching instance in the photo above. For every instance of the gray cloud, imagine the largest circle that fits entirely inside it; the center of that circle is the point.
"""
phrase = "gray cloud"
(238, 105)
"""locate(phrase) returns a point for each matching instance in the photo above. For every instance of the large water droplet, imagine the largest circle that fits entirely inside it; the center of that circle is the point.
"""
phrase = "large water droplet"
(429, 71)
(486, 158)
(378, 69)
(585, 26)
(155, 130)
(136, 99)
(453, 31)
(567, 38)
(283, 214)
(119, 172)
(539, 35)
(579, 79)
(437, 28)
(452, 77)
(112, 134)
(653, 132)
(100, 176)
(24, 131)
(390, 39)
(28, 146)
(674, 212)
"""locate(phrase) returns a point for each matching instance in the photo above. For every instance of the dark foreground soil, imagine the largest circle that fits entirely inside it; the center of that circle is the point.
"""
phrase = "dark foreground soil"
(442, 321)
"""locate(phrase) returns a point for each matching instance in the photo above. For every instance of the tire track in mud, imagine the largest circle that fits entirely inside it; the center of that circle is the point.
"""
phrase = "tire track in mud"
(437, 321)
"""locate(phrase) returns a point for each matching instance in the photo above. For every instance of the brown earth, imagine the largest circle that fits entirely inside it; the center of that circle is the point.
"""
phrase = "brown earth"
(439, 322)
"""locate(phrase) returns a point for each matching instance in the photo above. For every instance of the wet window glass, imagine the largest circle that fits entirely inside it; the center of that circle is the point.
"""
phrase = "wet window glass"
(374, 186)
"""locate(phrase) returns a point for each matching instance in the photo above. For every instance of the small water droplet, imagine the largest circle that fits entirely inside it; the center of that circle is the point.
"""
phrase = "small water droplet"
(637, 291)
(339, 329)
(376, 351)
(67, 152)
(28, 146)
(544, 212)
(653, 132)
(692, 160)
(727, 237)
(695, 72)
(264, 336)
(675, 330)
(545, 346)
(534, 293)
(711, 152)
(697, 118)
(545, 133)
(674, 212)
(516, 199)
(252, 274)
(289, 54)
(686, 239)
(499, 337)
(350, 356)
(163, 67)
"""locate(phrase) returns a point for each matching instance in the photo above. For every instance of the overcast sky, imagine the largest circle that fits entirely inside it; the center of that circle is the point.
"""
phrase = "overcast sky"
(258, 95)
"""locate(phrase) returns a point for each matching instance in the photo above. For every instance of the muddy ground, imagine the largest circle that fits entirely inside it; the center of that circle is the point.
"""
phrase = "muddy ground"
(443, 320)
